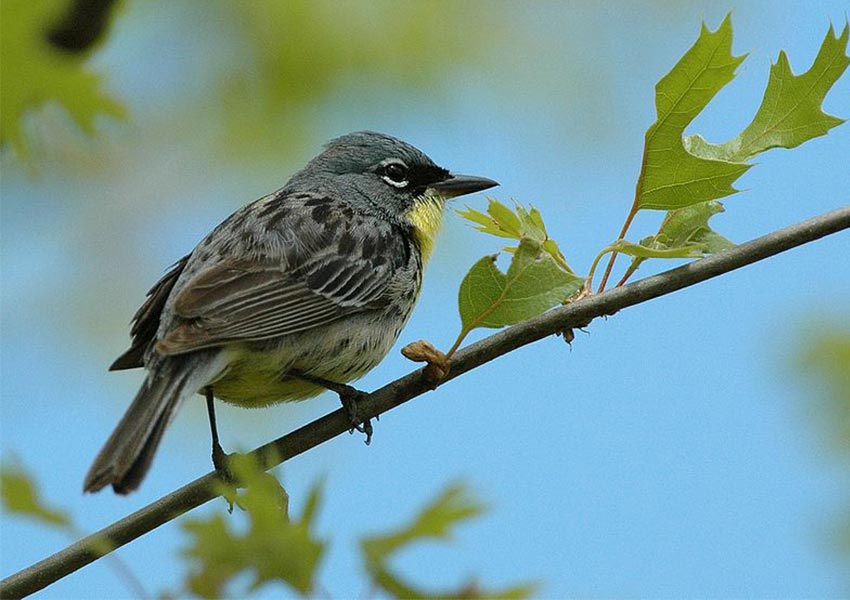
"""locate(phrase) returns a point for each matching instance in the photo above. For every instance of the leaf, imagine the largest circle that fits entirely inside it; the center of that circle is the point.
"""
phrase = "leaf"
(823, 361)
(681, 172)
(435, 521)
(274, 547)
(645, 251)
(516, 224)
(687, 227)
(20, 495)
(672, 177)
(790, 112)
(500, 221)
(533, 284)
(685, 233)
(34, 73)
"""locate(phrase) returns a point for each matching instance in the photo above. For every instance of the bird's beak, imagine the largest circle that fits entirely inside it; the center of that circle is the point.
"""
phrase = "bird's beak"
(460, 185)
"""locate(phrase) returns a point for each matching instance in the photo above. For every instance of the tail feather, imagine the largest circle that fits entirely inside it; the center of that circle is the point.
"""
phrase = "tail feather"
(128, 453)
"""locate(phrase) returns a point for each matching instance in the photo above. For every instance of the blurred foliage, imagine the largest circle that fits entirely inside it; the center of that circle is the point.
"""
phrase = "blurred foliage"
(21, 496)
(34, 72)
(287, 59)
(304, 52)
(824, 360)
(273, 546)
(434, 521)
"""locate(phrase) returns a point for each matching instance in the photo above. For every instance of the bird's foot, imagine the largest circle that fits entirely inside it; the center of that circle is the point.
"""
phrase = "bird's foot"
(437, 366)
(349, 397)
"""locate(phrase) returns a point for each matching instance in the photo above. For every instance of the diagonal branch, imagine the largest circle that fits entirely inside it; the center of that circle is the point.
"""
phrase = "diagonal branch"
(393, 394)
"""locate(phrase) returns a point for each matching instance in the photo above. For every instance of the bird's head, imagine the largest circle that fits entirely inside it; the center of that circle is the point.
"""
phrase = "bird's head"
(380, 173)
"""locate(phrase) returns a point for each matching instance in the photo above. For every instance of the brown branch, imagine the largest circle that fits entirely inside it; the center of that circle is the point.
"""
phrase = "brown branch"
(577, 314)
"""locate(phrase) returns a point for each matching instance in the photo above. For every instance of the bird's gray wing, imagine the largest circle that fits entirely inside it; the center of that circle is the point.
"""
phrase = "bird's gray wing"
(239, 300)
(146, 319)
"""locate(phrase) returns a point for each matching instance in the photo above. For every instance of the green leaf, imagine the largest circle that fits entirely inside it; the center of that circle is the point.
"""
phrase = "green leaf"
(34, 73)
(790, 112)
(516, 224)
(435, 521)
(672, 177)
(689, 226)
(274, 547)
(646, 251)
(20, 495)
(533, 284)
(685, 233)
(824, 360)
(500, 221)
(681, 172)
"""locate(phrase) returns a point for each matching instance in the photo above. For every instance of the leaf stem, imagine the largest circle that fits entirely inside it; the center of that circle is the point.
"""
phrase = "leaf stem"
(629, 272)
(629, 218)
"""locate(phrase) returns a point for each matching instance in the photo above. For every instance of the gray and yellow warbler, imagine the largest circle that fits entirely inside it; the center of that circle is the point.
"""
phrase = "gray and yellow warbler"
(305, 289)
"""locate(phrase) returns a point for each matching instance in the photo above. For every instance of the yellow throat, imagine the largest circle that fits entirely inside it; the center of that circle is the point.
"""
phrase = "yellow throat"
(426, 216)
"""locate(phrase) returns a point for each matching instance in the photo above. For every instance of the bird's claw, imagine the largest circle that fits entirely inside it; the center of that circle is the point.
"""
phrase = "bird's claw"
(349, 397)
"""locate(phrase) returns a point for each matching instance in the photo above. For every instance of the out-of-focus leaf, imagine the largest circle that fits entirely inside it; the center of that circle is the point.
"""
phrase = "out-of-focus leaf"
(533, 284)
(274, 548)
(435, 521)
(20, 495)
(791, 110)
(34, 72)
(826, 362)
(302, 53)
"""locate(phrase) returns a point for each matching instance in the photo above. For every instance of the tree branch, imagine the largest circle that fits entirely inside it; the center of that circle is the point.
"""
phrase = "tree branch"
(411, 385)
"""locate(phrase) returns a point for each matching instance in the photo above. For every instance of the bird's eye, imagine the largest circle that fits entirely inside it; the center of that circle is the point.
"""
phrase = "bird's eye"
(395, 174)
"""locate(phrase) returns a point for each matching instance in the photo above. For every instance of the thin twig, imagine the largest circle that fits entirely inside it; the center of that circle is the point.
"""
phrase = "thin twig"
(411, 385)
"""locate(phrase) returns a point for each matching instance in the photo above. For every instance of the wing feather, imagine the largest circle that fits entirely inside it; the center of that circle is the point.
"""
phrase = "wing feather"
(249, 302)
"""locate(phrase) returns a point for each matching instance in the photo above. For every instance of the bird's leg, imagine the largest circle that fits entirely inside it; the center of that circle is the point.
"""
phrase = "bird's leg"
(219, 456)
(349, 397)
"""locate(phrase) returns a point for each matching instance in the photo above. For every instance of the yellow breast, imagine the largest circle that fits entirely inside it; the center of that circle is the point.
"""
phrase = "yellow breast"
(426, 216)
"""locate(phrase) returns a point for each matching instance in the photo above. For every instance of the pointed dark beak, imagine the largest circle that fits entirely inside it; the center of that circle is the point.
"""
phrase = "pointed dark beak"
(460, 185)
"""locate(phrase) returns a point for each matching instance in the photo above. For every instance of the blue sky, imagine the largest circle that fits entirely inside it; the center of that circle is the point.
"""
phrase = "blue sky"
(671, 452)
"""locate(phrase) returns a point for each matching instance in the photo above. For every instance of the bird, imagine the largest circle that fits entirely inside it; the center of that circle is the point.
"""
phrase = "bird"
(302, 290)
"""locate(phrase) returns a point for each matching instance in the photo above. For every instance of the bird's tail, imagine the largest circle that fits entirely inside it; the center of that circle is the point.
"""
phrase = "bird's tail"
(127, 454)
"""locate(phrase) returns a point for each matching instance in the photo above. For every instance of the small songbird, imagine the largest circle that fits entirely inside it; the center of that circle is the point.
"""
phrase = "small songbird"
(303, 290)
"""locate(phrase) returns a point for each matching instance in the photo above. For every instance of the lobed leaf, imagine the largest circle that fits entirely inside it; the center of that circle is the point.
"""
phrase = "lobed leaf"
(791, 110)
(681, 172)
(671, 176)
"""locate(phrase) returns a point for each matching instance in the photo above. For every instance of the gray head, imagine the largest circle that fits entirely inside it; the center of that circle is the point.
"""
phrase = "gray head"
(383, 172)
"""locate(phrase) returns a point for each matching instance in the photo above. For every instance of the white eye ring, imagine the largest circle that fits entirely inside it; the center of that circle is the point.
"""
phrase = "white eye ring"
(392, 182)
(394, 172)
